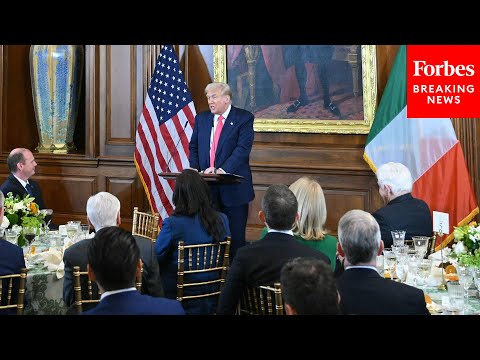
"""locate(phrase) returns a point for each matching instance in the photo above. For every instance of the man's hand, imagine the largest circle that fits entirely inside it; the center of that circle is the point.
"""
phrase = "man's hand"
(210, 170)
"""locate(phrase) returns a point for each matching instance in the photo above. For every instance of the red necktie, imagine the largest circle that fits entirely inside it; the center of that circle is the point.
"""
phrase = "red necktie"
(216, 136)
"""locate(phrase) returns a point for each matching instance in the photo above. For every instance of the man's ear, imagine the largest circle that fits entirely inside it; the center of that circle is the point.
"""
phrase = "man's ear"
(289, 310)
(261, 216)
(340, 250)
(119, 218)
(380, 249)
(91, 274)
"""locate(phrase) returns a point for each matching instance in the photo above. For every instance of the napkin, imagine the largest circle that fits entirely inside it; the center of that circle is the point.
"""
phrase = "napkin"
(53, 259)
(438, 255)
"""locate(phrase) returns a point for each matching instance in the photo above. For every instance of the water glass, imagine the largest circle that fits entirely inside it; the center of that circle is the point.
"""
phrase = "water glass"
(398, 237)
(455, 296)
(390, 260)
(424, 268)
(380, 265)
(11, 236)
(421, 243)
(465, 277)
(84, 231)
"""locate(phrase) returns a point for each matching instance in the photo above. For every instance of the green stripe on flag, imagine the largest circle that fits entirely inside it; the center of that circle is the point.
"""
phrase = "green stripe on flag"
(396, 88)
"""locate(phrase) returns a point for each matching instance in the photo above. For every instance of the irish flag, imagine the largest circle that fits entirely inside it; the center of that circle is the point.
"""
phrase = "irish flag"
(427, 146)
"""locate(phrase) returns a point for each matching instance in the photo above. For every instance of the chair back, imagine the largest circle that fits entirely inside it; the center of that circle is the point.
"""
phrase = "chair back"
(202, 259)
(261, 300)
(7, 288)
(145, 224)
(81, 279)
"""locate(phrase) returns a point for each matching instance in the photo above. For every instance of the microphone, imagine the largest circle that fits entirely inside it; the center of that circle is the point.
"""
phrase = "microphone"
(167, 169)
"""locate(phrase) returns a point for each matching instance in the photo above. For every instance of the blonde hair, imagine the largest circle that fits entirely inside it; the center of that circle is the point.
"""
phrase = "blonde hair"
(312, 209)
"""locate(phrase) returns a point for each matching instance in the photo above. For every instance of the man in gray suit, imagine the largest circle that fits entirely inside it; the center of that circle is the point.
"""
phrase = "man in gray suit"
(103, 209)
(362, 290)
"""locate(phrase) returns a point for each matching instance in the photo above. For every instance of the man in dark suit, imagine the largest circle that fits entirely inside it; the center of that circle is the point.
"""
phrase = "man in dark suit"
(11, 261)
(221, 143)
(114, 262)
(362, 290)
(402, 210)
(260, 263)
(21, 164)
(103, 209)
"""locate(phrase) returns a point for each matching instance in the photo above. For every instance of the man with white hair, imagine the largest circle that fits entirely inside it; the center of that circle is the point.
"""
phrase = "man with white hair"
(362, 290)
(402, 211)
(103, 210)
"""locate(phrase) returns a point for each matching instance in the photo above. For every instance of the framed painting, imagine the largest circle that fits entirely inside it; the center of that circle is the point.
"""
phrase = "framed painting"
(302, 88)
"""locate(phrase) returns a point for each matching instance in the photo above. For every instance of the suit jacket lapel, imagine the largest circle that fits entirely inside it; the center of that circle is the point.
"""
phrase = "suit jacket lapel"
(17, 184)
(228, 127)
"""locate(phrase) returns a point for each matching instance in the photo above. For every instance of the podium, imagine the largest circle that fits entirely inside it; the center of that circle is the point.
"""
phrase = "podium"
(218, 179)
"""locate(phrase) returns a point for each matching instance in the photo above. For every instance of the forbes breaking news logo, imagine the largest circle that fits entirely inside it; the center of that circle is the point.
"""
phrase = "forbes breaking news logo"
(442, 81)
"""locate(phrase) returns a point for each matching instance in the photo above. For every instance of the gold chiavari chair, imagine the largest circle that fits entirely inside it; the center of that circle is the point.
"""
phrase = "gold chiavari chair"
(145, 224)
(7, 287)
(261, 300)
(201, 259)
(91, 295)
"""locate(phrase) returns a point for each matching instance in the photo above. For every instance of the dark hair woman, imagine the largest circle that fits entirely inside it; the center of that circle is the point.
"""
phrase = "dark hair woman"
(195, 222)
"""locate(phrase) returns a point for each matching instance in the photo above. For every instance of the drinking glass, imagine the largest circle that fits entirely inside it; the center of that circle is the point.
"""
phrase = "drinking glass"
(465, 277)
(380, 265)
(11, 236)
(424, 268)
(84, 231)
(398, 237)
(455, 296)
(390, 260)
(29, 232)
(476, 278)
(72, 229)
(420, 243)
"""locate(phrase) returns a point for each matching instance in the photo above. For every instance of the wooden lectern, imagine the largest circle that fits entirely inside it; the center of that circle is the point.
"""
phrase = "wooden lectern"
(218, 179)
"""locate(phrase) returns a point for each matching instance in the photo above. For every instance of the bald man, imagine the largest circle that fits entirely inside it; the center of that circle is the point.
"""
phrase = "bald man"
(21, 164)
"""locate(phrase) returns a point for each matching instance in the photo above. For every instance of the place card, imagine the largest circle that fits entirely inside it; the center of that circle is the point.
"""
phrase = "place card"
(440, 222)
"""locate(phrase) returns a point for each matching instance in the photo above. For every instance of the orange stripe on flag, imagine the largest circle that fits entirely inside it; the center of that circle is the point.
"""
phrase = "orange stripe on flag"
(453, 190)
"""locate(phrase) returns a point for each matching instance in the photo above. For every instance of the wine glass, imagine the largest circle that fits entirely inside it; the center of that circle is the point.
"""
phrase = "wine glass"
(72, 229)
(465, 277)
(29, 233)
(390, 260)
(424, 267)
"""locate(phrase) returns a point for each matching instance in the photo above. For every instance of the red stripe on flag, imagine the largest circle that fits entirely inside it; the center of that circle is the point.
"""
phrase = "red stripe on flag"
(453, 189)
(167, 95)
(148, 153)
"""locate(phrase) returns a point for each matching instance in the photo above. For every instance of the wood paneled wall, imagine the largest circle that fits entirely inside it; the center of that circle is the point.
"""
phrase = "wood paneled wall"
(116, 78)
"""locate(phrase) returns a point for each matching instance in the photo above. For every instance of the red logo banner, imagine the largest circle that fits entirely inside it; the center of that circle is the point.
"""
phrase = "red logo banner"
(443, 81)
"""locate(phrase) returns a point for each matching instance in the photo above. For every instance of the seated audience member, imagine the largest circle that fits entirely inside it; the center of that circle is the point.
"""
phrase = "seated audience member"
(103, 209)
(21, 164)
(194, 221)
(362, 290)
(312, 210)
(260, 263)
(402, 211)
(308, 288)
(114, 262)
(11, 262)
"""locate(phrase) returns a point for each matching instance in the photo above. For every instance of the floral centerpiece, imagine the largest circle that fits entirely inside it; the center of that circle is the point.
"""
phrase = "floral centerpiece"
(466, 250)
(20, 212)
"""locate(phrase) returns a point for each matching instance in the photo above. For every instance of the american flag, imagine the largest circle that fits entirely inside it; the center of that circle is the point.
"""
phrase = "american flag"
(164, 131)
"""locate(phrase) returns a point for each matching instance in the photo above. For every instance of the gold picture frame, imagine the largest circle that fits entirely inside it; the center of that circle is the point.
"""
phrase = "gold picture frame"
(365, 92)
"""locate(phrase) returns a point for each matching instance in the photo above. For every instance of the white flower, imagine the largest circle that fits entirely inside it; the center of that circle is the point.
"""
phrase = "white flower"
(459, 248)
(5, 223)
(18, 206)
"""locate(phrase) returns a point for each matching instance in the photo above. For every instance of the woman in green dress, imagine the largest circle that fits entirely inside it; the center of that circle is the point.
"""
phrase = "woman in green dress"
(312, 211)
